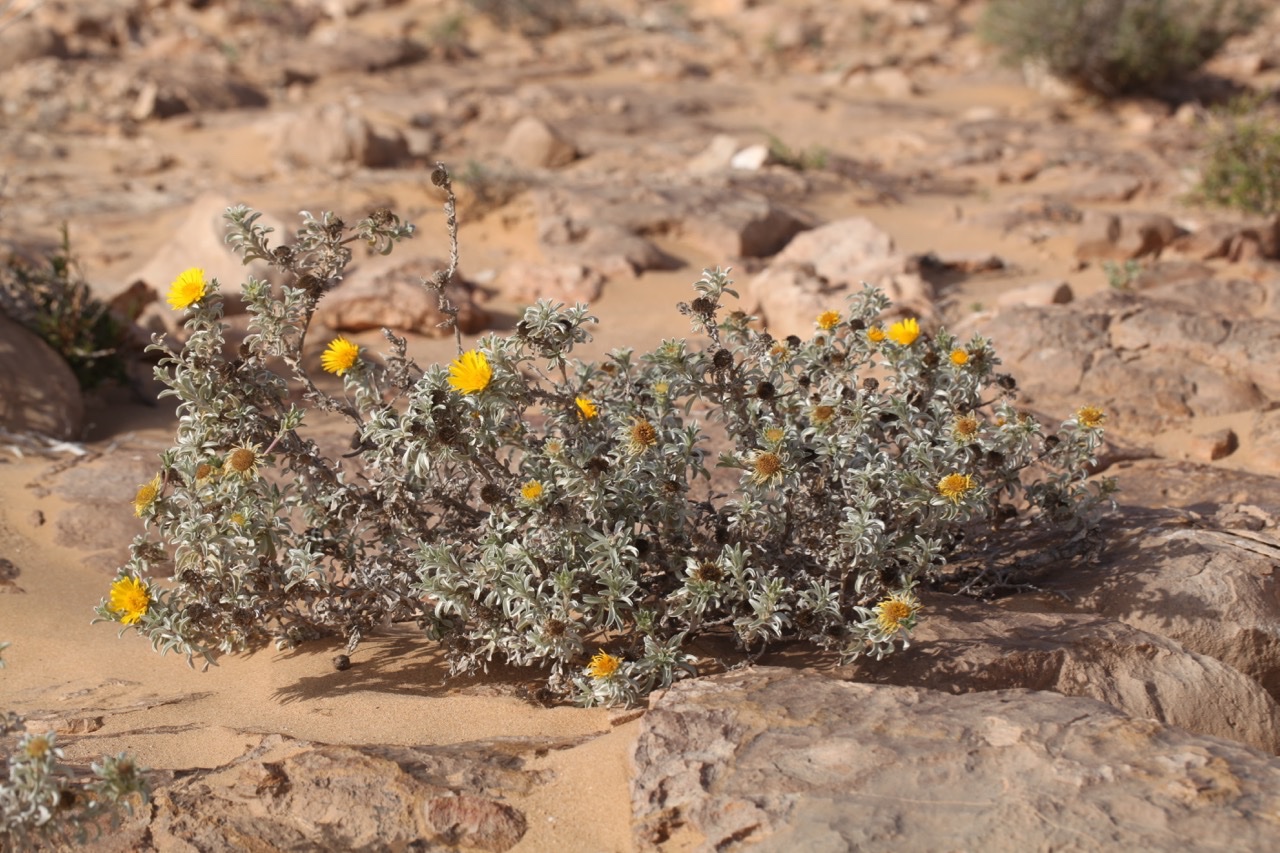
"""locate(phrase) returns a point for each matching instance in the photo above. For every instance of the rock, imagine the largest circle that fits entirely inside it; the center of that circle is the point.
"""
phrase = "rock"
(964, 646)
(189, 86)
(533, 144)
(1211, 446)
(1108, 188)
(570, 283)
(199, 240)
(1040, 293)
(751, 159)
(739, 225)
(1216, 593)
(783, 760)
(388, 293)
(1199, 487)
(38, 391)
(1123, 236)
(25, 40)
(293, 795)
(342, 49)
(819, 268)
(717, 156)
(333, 134)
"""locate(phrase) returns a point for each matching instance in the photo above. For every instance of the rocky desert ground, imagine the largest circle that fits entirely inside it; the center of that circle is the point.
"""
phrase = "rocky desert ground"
(608, 152)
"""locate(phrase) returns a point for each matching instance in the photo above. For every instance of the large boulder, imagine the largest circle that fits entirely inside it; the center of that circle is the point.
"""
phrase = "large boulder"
(38, 391)
(780, 760)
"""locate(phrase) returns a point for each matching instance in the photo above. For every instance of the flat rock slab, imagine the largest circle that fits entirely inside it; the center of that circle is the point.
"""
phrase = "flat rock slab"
(772, 759)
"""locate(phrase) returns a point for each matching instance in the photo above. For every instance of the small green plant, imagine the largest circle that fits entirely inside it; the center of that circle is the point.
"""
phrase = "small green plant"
(1122, 276)
(522, 505)
(804, 160)
(56, 303)
(1242, 159)
(1116, 47)
(40, 799)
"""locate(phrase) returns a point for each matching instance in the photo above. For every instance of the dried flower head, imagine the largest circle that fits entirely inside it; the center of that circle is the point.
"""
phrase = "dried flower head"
(641, 437)
(603, 665)
(187, 289)
(1090, 417)
(904, 332)
(586, 409)
(959, 357)
(766, 468)
(470, 372)
(965, 428)
(146, 496)
(828, 320)
(531, 491)
(204, 471)
(822, 415)
(954, 487)
(339, 356)
(897, 612)
(244, 461)
(130, 599)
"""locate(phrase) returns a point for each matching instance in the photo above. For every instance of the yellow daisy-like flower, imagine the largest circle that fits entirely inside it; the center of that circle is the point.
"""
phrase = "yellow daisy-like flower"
(828, 320)
(553, 447)
(244, 461)
(603, 665)
(897, 612)
(661, 389)
(187, 289)
(954, 487)
(822, 414)
(774, 435)
(339, 356)
(146, 496)
(586, 409)
(237, 518)
(766, 468)
(531, 491)
(875, 334)
(1090, 417)
(130, 599)
(642, 436)
(470, 372)
(959, 357)
(37, 747)
(965, 428)
(904, 332)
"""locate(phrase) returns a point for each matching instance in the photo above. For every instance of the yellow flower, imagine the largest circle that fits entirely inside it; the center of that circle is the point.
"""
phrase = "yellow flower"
(766, 468)
(553, 447)
(339, 356)
(642, 437)
(1090, 417)
(586, 409)
(959, 357)
(244, 461)
(965, 428)
(237, 518)
(661, 389)
(531, 491)
(897, 612)
(904, 332)
(146, 496)
(953, 487)
(129, 598)
(470, 372)
(38, 747)
(875, 334)
(603, 665)
(774, 435)
(822, 414)
(187, 289)
(828, 320)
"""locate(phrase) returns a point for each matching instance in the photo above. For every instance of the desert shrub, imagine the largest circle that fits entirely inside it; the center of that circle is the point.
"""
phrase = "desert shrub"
(524, 505)
(1242, 160)
(42, 800)
(52, 298)
(1116, 46)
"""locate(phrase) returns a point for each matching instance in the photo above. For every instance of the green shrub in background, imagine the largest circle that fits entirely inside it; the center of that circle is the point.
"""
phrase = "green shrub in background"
(525, 506)
(1242, 159)
(54, 301)
(1115, 47)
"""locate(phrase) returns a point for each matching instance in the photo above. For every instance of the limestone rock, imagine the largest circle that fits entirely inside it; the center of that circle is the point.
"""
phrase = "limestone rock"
(38, 391)
(819, 268)
(334, 134)
(1124, 236)
(1214, 592)
(569, 283)
(967, 646)
(782, 761)
(388, 293)
(533, 144)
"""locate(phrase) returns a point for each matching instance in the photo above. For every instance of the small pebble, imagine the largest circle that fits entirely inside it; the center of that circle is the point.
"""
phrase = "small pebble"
(341, 662)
